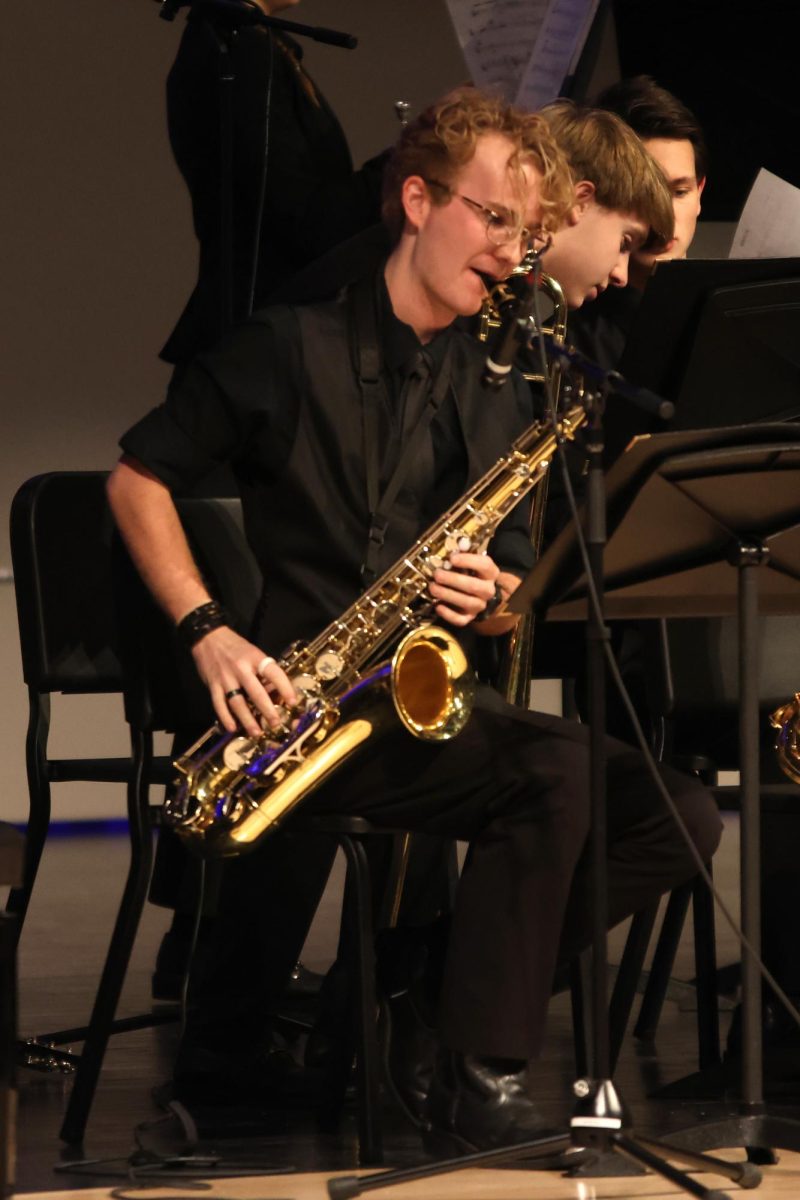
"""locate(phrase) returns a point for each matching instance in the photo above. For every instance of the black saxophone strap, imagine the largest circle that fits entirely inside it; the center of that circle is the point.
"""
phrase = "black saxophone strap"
(363, 304)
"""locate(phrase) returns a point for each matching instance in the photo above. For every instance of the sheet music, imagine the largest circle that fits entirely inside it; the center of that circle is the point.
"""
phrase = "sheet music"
(497, 38)
(523, 48)
(769, 226)
(558, 44)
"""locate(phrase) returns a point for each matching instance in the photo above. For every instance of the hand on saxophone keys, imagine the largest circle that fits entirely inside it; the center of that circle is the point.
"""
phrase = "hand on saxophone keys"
(245, 684)
(464, 588)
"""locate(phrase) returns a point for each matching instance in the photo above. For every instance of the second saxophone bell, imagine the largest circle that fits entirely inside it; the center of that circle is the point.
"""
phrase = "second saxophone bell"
(786, 720)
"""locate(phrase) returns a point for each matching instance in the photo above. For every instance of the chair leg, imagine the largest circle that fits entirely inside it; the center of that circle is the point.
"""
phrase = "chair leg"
(663, 959)
(8, 1034)
(39, 805)
(705, 960)
(630, 971)
(120, 947)
(368, 1059)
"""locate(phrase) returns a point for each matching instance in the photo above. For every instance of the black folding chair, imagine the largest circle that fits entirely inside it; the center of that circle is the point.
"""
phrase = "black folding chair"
(163, 692)
(691, 671)
(61, 540)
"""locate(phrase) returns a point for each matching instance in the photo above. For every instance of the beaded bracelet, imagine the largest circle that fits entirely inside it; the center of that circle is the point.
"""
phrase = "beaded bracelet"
(200, 621)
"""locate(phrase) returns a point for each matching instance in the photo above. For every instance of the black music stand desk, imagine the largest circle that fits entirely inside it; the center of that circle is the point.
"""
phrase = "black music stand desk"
(703, 523)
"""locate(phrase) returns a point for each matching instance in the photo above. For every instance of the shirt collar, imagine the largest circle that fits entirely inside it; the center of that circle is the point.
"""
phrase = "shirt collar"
(401, 346)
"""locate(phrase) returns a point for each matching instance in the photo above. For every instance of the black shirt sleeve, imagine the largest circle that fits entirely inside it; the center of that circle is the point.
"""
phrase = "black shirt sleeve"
(238, 403)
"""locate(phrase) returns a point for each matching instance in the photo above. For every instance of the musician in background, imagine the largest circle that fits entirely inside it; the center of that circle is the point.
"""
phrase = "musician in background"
(294, 190)
(470, 186)
(672, 135)
(599, 244)
(593, 257)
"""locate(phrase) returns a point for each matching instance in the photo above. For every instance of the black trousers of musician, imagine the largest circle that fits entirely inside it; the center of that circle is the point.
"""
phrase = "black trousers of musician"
(515, 785)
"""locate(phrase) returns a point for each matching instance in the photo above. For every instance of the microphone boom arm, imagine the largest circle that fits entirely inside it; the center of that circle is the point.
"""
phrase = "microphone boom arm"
(244, 12)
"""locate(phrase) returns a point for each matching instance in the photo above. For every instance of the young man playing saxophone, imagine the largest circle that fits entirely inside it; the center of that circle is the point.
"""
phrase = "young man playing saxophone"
(471, 183)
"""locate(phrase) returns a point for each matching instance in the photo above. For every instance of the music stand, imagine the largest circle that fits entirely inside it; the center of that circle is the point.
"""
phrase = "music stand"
(683, 509)
(719, 338)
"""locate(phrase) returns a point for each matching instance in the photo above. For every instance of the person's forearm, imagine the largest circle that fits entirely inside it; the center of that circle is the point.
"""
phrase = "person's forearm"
(242, 680)
(151, 529)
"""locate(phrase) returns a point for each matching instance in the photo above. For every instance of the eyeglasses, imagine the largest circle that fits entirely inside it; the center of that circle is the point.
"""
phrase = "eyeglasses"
(501, 227)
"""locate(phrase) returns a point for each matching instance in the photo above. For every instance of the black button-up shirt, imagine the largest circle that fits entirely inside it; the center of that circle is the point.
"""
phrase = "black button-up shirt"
(279, 398)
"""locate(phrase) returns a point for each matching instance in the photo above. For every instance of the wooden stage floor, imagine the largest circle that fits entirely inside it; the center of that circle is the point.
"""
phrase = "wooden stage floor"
(781, 1181)
(61, 953)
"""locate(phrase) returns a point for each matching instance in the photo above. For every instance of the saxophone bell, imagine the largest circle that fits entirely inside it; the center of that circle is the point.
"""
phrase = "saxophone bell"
(786, 720)
(432, 684)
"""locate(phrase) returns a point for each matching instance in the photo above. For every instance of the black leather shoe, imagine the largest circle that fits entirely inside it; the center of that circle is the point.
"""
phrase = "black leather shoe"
(409, 966)
(409, 1047)
(475, 1104)
(408, 1051)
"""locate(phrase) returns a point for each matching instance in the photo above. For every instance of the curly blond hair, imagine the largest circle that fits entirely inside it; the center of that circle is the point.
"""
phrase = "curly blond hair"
(443, 139)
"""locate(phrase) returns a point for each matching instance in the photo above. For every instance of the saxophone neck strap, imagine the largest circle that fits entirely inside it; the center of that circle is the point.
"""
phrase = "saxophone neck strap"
(363, 301)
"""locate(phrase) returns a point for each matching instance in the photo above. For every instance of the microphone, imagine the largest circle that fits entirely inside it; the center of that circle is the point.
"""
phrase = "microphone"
(514, 329)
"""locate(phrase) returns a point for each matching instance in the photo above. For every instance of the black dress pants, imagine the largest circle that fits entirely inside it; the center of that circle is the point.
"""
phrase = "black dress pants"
(515, 785)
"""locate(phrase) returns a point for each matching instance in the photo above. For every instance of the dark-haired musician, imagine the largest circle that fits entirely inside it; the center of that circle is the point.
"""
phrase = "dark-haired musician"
(471, 185)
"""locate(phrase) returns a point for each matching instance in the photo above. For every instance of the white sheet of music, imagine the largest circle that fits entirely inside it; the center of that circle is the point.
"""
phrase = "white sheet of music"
(524, 48)
(556, 51)
(769, 226)
(497, 38)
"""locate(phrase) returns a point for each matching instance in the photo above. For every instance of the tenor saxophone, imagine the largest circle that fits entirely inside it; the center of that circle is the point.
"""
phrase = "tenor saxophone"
(381, 659)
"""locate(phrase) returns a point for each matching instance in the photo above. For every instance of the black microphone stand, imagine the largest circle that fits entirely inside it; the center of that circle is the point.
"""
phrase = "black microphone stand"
(600, 1122)
(245, 12)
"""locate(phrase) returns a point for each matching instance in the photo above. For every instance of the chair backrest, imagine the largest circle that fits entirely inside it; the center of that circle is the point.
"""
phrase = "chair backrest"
(161, 686)
(86, 621)
(61, 537)
(700, 685)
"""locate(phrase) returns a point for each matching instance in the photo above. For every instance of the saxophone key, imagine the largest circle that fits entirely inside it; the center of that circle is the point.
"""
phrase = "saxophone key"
(238, 752)
(329, 665)
(306, 687)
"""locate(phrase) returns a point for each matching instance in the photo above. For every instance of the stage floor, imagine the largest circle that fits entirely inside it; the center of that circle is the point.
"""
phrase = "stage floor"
(61, 953)
(782, 1180)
